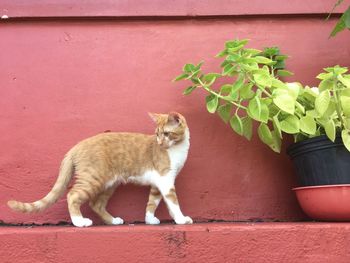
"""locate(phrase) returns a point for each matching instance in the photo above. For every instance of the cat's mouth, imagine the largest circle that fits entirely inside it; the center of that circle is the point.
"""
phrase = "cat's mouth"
(166, 145)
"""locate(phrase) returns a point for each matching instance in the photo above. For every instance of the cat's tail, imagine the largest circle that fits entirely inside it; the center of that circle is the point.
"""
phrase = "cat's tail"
(63, 179)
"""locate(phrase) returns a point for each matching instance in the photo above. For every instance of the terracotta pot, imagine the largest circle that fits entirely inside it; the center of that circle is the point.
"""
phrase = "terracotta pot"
(325, 202)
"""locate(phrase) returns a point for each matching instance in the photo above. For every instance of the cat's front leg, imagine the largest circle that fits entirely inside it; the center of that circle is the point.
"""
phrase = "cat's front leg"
(169, 195)
(153, 201)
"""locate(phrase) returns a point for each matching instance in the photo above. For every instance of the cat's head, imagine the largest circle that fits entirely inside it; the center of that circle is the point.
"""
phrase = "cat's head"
(171, 128)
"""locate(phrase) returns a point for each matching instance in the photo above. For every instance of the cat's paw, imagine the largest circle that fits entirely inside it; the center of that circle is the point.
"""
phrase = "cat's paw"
(184, 220)
(152, 220)
(117, 221)
(79, 221)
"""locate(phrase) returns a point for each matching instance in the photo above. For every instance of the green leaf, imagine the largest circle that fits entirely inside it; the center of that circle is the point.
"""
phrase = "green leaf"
(312, 113)
(329, 128)
(326, 84)
(236, 124)
(180, 77)
(189, 90)
(249, 61)
(246, 91)
(230, 44)
(290, 124)
(272, 139)
(225, 89)
(324, 76)
(284, 100)
(235, 49)
(276, 142)
(347, 17)
(308, 125)
(210, 78)
(247, 127)
(278, 84)
(188, 67)
(346, 138)
(344, 81)
(294, 88)
(198, 66)
(267, 101)
(264, 60)
(309, 94)
(345, 103)
(194, 74)
(212, 103)
(284, 73)
(254, 108)
(347, 123)
(340, 26)
(224, 111)
(252, 51)
(281, 57)
(271, 51)
(223, 64)
(300, 107)
(232, 58)
(337, 69)
(257, 110)
(330, 110)
(221, 53)
(243, 41)
(264, 80)
(236, 87)
(228, 69)
(345, 92)
(299, 137)
(236, 43)
(277, 125)
(265, 134)
(258, 104)
(322, 102)
(280, 65)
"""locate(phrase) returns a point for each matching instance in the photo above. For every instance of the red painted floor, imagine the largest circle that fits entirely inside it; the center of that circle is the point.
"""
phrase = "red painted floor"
(212, 242)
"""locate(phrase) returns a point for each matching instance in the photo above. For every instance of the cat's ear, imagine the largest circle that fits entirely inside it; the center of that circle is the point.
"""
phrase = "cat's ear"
(154, 116)
(174, 117)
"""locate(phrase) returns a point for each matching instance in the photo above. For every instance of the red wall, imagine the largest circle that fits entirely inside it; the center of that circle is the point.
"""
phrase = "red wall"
(64, 80)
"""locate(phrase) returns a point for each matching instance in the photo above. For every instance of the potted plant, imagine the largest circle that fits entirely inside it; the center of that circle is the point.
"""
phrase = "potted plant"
(250, 90)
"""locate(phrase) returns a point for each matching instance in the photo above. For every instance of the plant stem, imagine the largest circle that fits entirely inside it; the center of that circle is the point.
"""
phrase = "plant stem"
(337, 103)
(272, 69)
(220, 96)
(262, 89)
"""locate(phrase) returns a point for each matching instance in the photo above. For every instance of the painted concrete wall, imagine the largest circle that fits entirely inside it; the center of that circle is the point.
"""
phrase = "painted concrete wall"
(64, 80)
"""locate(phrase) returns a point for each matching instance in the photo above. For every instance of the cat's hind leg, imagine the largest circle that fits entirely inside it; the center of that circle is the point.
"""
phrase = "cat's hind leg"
(87, 186)
(153, 201)
(75, 199)
(98, 205)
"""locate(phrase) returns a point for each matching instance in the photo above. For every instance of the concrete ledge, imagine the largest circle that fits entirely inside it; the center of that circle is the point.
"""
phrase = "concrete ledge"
(212, 242)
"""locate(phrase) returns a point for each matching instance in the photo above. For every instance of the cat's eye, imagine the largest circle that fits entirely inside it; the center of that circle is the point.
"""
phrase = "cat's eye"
(166, 134)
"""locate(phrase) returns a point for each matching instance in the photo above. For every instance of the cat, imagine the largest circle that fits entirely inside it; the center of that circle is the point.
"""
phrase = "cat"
(102, 162)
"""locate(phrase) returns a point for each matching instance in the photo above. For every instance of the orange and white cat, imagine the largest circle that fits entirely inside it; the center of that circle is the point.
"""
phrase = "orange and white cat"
(103, 162)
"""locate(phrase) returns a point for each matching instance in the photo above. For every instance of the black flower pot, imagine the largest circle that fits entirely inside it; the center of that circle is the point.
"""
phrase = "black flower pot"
(319, 161)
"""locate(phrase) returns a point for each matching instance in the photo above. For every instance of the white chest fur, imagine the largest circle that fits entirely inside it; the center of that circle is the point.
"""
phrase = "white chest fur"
(178, 154)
